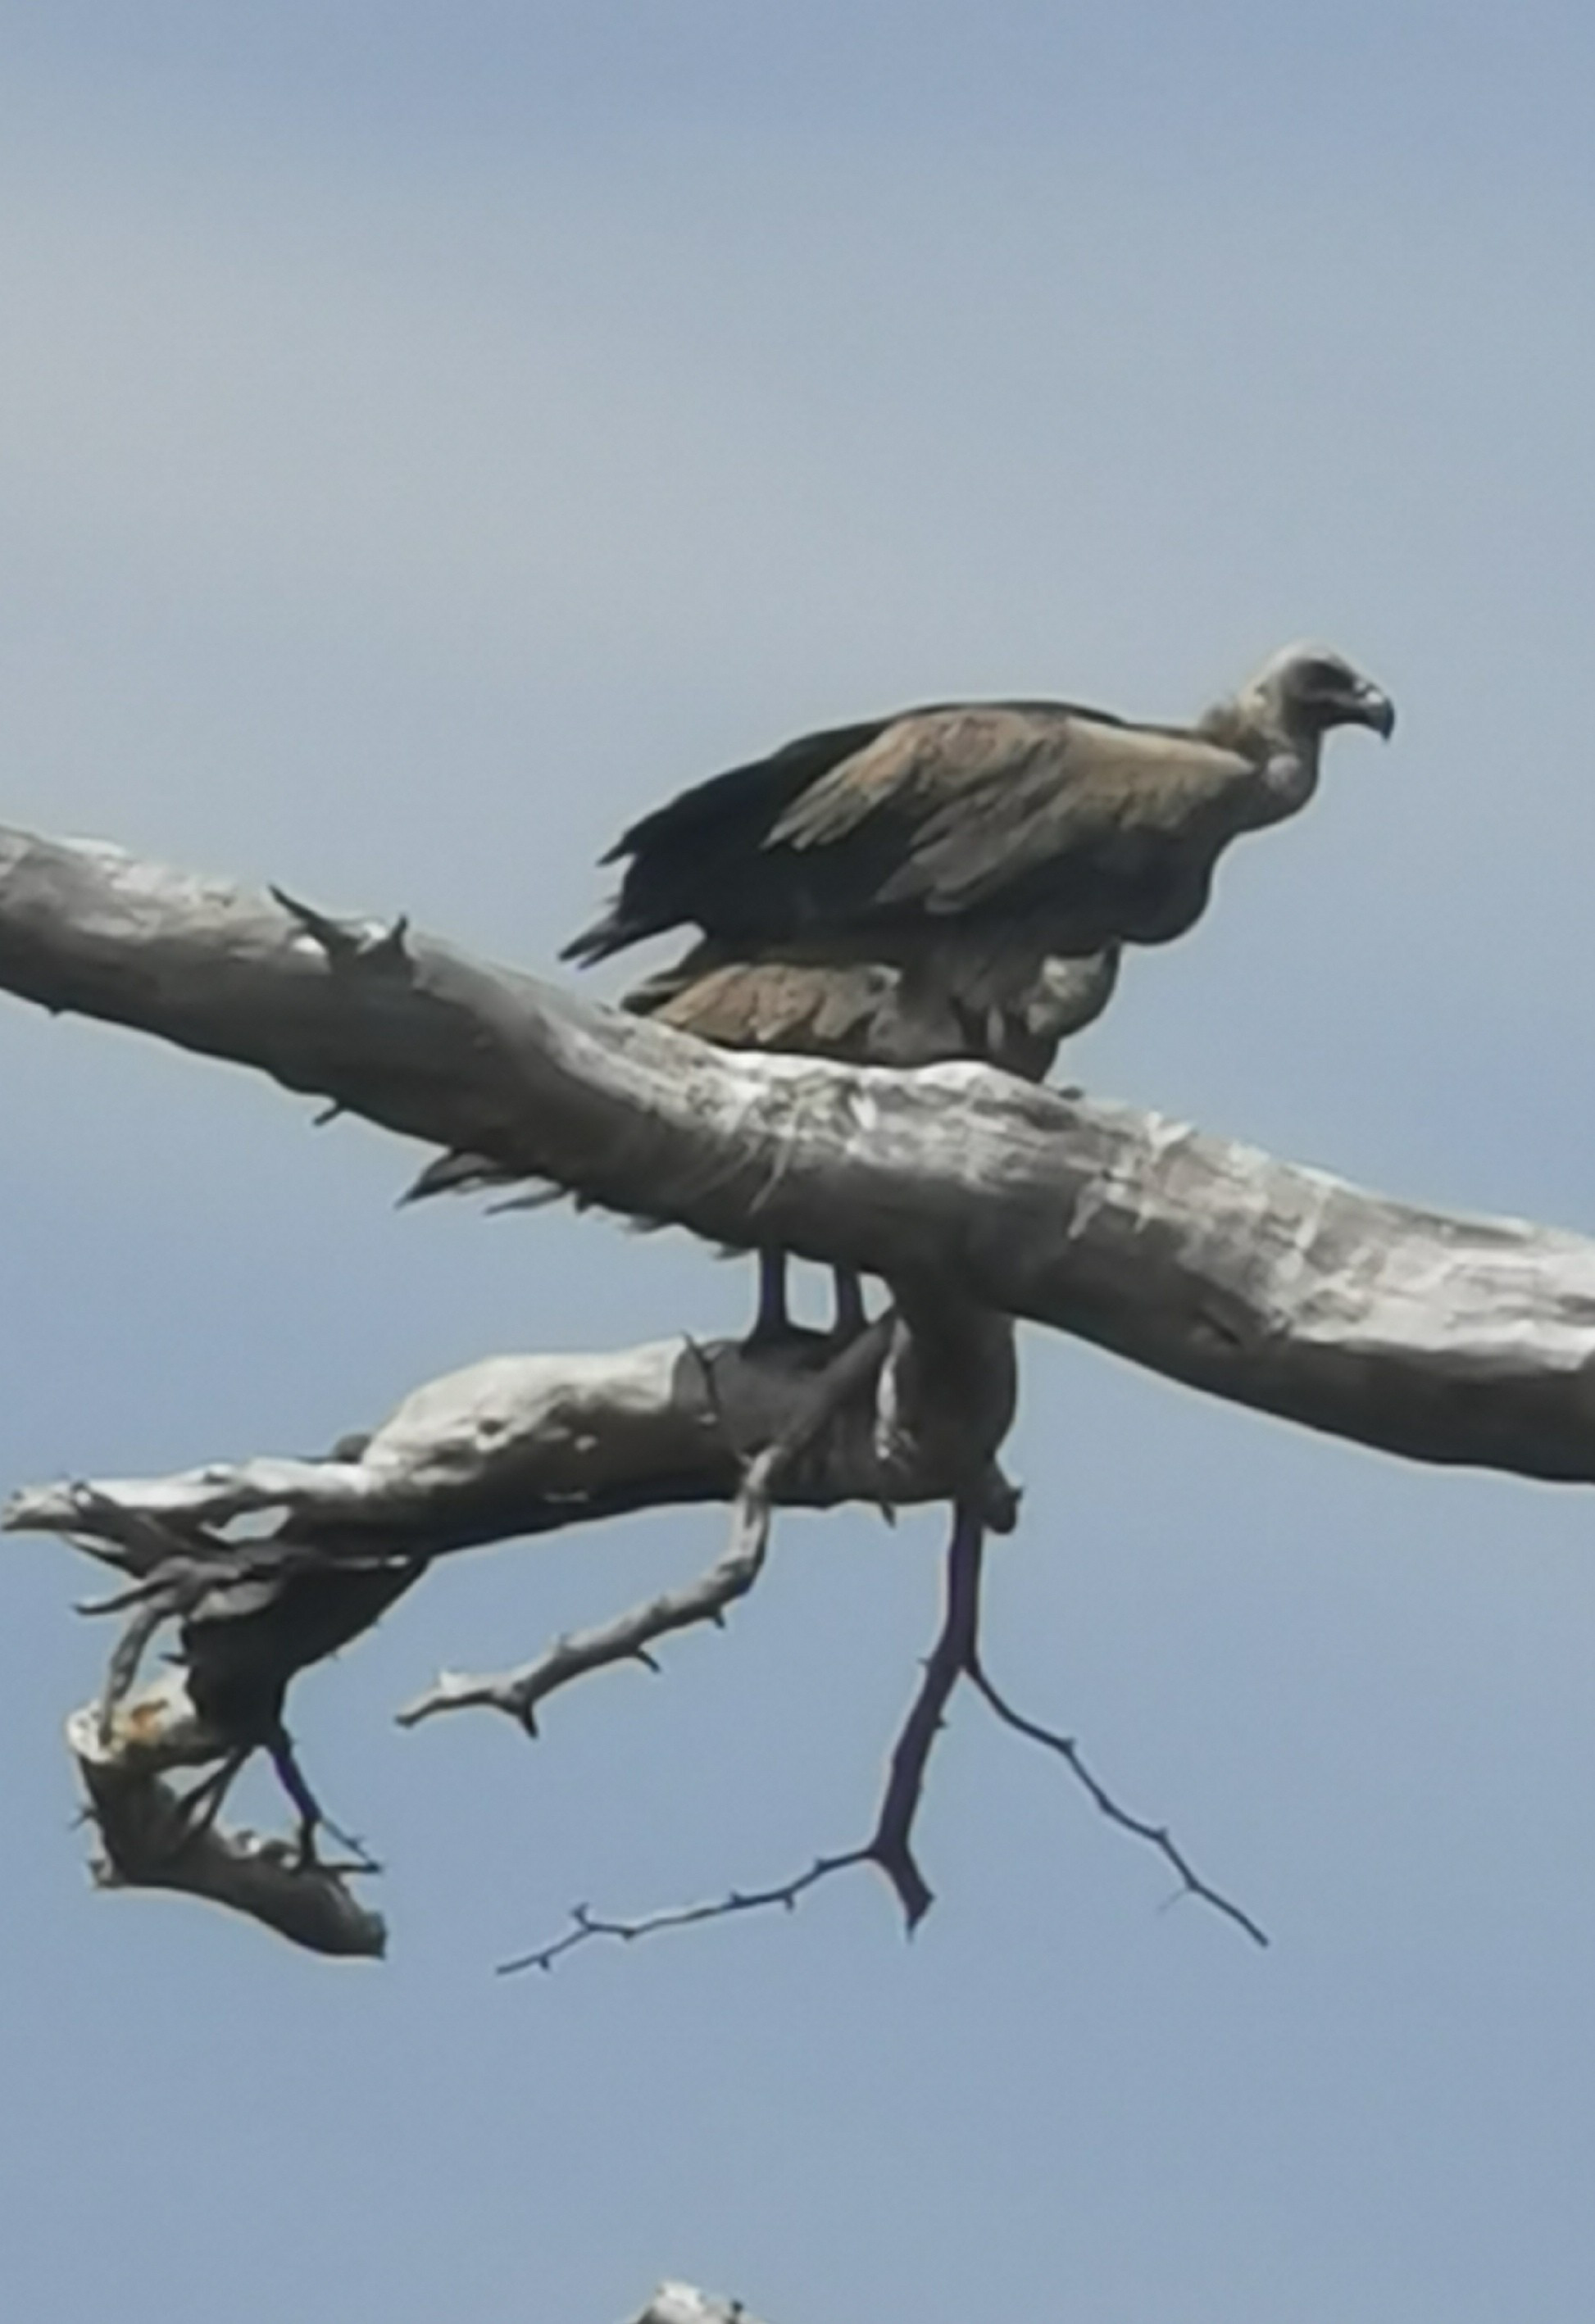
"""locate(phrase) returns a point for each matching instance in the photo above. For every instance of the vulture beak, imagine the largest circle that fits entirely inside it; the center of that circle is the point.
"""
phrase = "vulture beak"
(1374, 709)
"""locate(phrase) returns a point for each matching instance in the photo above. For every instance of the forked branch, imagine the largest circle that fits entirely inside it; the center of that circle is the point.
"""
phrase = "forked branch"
(889, 1848)
(630, 1636)
(977, 1197)
(513, 1445)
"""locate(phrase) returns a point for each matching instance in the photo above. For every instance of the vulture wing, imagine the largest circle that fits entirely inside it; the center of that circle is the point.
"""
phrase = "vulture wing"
(1094, 828)
(687, 850)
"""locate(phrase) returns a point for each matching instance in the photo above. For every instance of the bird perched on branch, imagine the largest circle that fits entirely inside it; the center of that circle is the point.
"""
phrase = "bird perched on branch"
(958, 881)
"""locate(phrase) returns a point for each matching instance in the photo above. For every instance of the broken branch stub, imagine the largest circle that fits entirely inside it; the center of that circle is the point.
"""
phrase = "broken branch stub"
(683, 2303)
(149, 1841)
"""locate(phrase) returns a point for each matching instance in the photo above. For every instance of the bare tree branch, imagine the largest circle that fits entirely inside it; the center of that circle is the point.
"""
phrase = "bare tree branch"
(585, 1925)
(1156, 1835)
(734, 1574)
(526, 1444)
(1449, 1340)
(151, 1840)
(1445, 1339)
(512, 1444)
(891, 1846)
(683, 2303)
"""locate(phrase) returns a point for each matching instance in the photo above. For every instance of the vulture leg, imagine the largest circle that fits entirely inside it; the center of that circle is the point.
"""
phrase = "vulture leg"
(772, 1321)
(851, 1318)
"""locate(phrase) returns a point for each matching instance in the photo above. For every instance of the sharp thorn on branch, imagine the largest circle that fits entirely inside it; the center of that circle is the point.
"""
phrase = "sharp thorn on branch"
(585, 1925)
(536, 1198)
(345, 942)
(336, 939)
(445, 1174)
(118, 1603)
(390, 945)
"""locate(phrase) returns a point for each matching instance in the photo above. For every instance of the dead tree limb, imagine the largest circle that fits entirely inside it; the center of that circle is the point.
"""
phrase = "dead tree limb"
(525, 1445)
(731, 1576)
(891, 1846)
(513, 1445)
(977, 1197)
(683, 2303)
(1442, 1338)
(954, 1656)
(150, 1840)
(517, 1445)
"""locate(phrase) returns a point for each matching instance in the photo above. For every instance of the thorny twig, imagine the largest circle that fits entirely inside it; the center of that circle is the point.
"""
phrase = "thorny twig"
(956, 1654)
(175, 1565)
(585, 1925)
(889, 1846)
(1158, 1836)
(345, 942)
(629, 1637)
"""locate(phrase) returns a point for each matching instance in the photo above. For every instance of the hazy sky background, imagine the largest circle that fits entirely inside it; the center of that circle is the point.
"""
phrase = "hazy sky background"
(428, 435)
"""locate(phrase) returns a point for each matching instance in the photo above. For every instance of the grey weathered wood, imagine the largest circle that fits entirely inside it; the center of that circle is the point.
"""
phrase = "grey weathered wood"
(518, 1445)
(525, 1445)
(683, 2303)
(1443, 1338)
(148, 1842)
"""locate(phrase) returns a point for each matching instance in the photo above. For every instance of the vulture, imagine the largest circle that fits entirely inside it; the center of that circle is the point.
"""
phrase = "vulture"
(958, 881)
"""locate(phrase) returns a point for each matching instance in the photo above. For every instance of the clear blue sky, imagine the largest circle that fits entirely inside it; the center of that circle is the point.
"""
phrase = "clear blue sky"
(427, 435)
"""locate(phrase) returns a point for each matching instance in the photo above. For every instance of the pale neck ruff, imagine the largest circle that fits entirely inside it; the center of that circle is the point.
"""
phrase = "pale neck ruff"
(1288, 779)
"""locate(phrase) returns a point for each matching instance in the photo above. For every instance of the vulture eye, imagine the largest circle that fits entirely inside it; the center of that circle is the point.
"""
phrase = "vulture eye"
(1325, 676)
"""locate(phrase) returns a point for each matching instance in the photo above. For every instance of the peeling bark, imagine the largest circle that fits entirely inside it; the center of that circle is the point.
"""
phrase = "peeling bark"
(1442, 1338)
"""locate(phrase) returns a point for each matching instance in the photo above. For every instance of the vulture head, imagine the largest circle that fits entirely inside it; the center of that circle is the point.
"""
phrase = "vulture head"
(1304, 690)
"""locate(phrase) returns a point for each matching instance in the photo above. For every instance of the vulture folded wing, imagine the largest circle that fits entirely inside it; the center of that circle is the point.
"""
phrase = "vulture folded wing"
(682, 855)
(1028, 807)
(1103, 829)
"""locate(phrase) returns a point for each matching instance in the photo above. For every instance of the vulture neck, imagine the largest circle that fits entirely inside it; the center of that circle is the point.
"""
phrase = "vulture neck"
(1285, 756)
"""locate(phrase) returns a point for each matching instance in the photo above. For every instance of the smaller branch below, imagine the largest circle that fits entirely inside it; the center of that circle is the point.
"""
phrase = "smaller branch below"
(630, 1636)
(151, 1840)
(585, 1925)
(627, 1638)
(954, 1655)
(1068, 1751)
(891, 1846)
